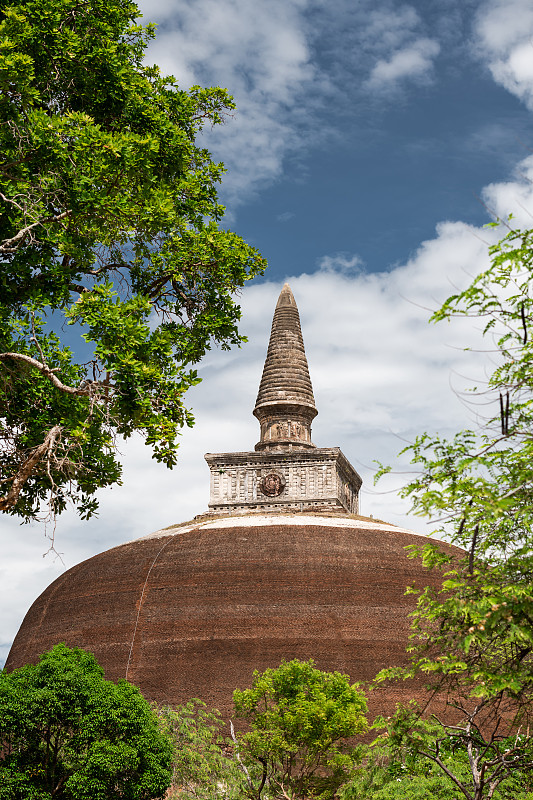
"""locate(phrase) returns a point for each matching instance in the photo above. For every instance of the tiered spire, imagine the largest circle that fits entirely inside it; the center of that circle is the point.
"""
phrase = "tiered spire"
(285, 405)
(287, 473)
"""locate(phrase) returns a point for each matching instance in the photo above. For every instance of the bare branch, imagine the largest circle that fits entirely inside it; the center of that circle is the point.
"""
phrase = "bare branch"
(448, 772)
(238, 755)
(49, 373)
(11, 245)
(10, 200)
(78, 287)
(472, 550)
(27, 467)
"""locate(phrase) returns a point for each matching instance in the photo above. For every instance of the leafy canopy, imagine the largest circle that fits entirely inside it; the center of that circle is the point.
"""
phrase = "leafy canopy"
(480, 485)
(109, 239)
(474, 639)
(69, 734)
(300, 719)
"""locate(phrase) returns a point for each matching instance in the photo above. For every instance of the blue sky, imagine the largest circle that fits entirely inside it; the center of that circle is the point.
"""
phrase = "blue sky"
(371, 143)
(359, 125)
(384, 171)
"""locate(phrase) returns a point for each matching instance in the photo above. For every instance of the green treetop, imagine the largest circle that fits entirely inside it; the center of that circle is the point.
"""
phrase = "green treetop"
(68, 734)
(109, 224)
(301, 720)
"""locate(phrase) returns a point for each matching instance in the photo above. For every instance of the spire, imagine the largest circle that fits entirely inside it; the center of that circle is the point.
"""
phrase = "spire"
(285, 405)
(287, 472)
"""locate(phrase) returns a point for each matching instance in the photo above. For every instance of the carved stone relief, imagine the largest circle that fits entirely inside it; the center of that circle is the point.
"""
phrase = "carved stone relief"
(272, 484)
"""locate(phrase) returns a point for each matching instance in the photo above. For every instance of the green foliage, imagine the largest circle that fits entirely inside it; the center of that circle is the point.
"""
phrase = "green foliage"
(204, 765)
(390, 774)
(387, 774)
(474, 638)
(300, 719)
(67, 733)
(468, 755)
(482, 480)
(109, 225)
(478, 632)
(409, 787)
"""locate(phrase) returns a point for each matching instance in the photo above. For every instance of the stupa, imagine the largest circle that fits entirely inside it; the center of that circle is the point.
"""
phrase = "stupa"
(281, 566)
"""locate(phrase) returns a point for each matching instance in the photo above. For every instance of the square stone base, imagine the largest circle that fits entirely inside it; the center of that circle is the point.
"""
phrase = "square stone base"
(297, 480)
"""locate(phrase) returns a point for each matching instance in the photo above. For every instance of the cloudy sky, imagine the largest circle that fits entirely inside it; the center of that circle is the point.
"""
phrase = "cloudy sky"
(373, 140)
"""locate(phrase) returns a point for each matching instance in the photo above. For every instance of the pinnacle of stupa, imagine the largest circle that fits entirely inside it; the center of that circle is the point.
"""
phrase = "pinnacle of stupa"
(287, 472)
(285, 406)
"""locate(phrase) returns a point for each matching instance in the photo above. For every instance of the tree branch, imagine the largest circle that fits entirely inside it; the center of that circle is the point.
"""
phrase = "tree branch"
(27, 467)
(445, 769)
(13, 202)
(7, 245)
(472, 550)
(238, 756)
(78, 287)
(49, 373)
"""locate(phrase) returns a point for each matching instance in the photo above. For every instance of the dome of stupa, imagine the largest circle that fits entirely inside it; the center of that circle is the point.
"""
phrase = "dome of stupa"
(282, 566)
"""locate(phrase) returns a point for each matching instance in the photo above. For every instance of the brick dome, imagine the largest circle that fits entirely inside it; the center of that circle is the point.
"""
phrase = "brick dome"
(192, 610)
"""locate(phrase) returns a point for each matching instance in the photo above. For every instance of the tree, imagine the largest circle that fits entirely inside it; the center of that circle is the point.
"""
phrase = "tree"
(479, 484)
(480, 754)
(474, 639)
(300, 719)
(204, 766)
(394, 768)
(109, 239)
(67, 733)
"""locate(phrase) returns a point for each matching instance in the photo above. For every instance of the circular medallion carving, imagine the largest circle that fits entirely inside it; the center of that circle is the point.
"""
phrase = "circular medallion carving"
(272, 484)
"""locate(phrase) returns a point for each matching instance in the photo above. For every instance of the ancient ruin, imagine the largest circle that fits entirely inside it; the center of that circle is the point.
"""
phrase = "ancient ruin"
(281, 566)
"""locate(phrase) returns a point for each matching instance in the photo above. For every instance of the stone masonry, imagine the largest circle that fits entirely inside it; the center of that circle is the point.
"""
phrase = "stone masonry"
(286, 471)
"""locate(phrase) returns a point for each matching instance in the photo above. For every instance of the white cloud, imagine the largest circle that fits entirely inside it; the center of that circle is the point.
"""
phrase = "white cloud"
(260, 53)
(381, 375)
(287, 63)
(341, 263)
(286, 216)
(385, 29)
(414, 62)
(504, 38)
(390, 46)
(513, 195)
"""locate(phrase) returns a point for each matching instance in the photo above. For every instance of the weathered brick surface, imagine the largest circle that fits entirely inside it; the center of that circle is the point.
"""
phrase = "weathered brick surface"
(223, 601)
